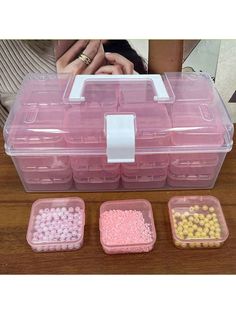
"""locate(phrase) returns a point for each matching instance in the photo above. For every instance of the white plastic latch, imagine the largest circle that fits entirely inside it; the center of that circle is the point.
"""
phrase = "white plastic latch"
(76, 93)
(120, 131)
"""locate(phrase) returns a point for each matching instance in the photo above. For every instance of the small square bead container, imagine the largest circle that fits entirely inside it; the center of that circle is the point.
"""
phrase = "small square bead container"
(197, 222)
(127, 226)
(56, 224)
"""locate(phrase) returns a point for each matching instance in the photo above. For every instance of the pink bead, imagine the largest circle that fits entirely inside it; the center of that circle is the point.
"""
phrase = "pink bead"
(44, 215)
(38, 217)
(65, 231)
(121, 227)
(77, 209)
(71, 209)
(64, 209)
(52, 210)
(46, 210)
(41, 211)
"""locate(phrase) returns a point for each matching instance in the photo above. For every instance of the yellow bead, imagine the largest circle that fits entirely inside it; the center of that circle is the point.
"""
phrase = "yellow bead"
(212, 228)
(207, 225)
(203, 234)
(201, 222)
(180, 229)
(217, 229)
(190, 224)
(177, 215)
(205, 207)
(185, 221)
(196, 220)
(211, 222)
(217, 225)
(209, 216)
(195, 227)
(191, 209)
(215, 219)
(199, 229)
(190, 218)
(206, 230)
(177, 243)
(201, 216)
(198, 244)
(195, 215)
(206, 220)
(192, 244)
(186, 214)
(185, 232)
(213, 215)
(205, 244)
(217, 235)
(211, 244)
(190, 235)
(198, 234)
(180, 235)
(183, 245)
(211, 209)
(196, 207)
(217, 244)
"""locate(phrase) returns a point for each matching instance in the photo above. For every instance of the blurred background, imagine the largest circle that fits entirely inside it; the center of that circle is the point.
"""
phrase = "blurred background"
(216, 57)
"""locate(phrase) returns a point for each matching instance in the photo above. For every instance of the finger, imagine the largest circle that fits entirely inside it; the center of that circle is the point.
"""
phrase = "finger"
(110, 69)
(98, 61)
(72, 53)
(115, 58)
(78, 66)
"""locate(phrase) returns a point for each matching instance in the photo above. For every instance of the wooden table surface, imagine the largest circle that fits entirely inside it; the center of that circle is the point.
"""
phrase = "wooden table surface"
(16, 256)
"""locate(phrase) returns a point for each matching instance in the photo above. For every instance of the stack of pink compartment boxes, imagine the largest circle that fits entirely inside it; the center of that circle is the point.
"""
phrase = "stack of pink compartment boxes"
(133, 132)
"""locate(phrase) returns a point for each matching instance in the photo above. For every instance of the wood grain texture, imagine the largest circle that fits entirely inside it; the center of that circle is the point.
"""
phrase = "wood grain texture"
(16, 256)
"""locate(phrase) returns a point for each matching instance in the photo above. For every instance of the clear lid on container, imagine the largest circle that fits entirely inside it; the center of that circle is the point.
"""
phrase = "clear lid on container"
(119, 116)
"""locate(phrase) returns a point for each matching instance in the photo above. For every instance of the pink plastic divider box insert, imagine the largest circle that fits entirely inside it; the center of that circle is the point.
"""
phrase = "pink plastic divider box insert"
(56, 224)
(127, 226)
(197, 222)
(169, 131)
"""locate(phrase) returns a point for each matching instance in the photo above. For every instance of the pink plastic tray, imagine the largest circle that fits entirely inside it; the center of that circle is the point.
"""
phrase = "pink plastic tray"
(197, 123)
(143, 182)
(190, 164)
(48, 184)
(38, 127)
(63, 230)
(197, 222)
(135, 207)
(97, 183)
(193, 180)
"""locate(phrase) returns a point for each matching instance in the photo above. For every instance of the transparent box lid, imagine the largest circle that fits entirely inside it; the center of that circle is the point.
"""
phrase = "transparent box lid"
(124, 115)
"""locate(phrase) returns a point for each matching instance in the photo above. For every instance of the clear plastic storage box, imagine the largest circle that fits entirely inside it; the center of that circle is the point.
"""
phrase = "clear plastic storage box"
(56, 224)
(127, 226)
(197, 222)
(128, 132)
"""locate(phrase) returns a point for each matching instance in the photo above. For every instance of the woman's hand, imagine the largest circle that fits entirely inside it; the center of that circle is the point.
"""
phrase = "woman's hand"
(117, 64)
(70, 63)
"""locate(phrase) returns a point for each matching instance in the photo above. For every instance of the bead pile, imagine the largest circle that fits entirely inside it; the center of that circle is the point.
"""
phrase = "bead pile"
(200, 223)
(58, 225)
(125, 227)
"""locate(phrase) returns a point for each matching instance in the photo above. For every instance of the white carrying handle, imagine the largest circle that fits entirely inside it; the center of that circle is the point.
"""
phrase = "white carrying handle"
(120, 133)
(78, 85)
